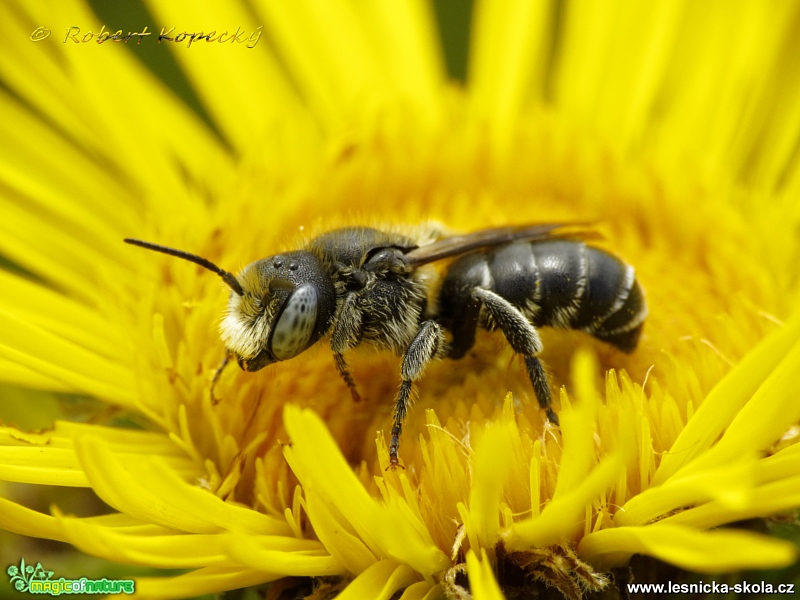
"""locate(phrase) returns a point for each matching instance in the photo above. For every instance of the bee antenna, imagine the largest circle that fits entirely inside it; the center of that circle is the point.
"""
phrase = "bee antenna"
(227, 277)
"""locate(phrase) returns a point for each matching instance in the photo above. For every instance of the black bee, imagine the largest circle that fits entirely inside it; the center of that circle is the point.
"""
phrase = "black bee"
(362, 285)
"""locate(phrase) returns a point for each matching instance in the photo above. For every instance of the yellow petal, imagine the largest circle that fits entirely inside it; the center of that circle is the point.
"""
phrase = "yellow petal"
(175, 551)
(147, 489)
(337, 535)
(725, 401)
(380, 581)
(508, 55)
(241, 105)
(564, 515)
(490, 470)
(772, 498)
(23, 520)
(482, 582)
(422, 590)
(403, 37)
(64, 317)
(208, 580)
(80, 369)
(577, 427)
(731, 484)
(721, 551)
(13, 373)
(289, 556)
(321, 469)
(49, 458)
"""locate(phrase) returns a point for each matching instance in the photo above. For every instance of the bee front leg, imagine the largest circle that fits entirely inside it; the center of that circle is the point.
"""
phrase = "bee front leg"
(428, 344)
(347, 331)
(524, 339)
(226, 359)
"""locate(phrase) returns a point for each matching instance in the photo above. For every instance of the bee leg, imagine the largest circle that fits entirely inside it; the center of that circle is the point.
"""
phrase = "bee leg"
(429, 343)
(344, 373)
(524, 339)
(465, 324)
(226, 359)
(347, 334)
(538, 377)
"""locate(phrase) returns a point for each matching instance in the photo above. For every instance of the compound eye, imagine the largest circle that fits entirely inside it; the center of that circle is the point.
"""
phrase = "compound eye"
(296, 323)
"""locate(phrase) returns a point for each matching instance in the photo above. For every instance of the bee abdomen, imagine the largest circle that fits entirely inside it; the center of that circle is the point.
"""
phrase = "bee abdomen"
(566, 284)
(612, 308)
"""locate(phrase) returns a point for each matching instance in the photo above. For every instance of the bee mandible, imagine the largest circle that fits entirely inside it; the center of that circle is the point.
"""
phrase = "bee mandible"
(360, 285)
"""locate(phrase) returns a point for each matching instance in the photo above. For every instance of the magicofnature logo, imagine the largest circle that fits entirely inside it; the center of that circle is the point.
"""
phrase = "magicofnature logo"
(38, 580)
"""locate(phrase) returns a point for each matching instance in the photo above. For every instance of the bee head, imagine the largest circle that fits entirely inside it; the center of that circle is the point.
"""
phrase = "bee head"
(287, 303)
(279, 306)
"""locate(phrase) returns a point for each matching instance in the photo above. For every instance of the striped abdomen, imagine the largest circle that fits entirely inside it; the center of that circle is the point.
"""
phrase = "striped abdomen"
(557, 283)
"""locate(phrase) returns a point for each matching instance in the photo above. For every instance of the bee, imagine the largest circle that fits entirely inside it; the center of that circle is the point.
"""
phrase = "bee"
(360, 285)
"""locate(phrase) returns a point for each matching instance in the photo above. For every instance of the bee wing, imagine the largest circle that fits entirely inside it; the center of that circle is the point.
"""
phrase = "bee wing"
(487, 238)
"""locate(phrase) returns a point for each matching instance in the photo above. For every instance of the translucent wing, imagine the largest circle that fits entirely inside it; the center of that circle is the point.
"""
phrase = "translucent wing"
(497, 236)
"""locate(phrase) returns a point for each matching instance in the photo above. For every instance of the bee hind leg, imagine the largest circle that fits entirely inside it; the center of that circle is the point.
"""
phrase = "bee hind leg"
(524, 339)
(428, 344)
(538, 377)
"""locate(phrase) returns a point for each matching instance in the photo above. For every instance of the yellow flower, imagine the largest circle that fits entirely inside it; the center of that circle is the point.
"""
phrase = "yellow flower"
(643, 118)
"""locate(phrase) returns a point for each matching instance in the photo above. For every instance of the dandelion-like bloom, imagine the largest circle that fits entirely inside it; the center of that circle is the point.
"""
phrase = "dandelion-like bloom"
(647, 119)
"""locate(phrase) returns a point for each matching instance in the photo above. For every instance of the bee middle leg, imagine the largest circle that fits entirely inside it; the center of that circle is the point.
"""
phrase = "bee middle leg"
(524, 339)
(428, 344)
(344, 373)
